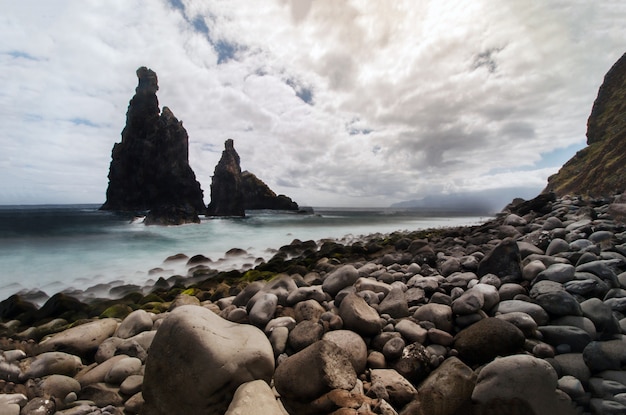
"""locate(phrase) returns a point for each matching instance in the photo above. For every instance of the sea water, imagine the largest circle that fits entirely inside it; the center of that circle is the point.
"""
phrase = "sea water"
(75, 247)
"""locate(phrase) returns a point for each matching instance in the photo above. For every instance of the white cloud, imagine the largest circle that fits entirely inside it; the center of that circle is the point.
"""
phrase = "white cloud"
(403, 98)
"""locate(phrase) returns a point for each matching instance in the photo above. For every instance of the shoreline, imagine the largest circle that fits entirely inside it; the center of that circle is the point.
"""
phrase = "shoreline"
(88, 285)
(541, 286)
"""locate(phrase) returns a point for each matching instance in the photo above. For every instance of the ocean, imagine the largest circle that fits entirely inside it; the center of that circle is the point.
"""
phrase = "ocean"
(54, 248)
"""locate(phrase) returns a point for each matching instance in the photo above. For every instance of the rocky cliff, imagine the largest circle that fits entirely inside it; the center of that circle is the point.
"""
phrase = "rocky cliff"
(600, 168)
(234, 192)
(226, 188)
(258, 195)
(150, 166)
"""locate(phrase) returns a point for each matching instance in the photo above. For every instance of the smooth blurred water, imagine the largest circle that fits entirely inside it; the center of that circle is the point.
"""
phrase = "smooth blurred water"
(53, 248)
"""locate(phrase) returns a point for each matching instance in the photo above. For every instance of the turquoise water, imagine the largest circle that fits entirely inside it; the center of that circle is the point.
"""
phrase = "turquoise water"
(55, 248)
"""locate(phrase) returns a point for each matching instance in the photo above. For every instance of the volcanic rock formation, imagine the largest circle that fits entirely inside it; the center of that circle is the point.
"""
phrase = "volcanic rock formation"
(258, 195)
(226, 189)
(150, 166)
(600, 168)
(234, 192)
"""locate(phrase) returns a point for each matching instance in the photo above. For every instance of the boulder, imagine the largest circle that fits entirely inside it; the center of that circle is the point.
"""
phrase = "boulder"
(483, 341)
(358, 316)
(503, 261)
(134, 323)
(605, 355)
(339, 279)
(519, 384)
(395, 387)
(438, 314)
(51, 363)
(82, 340)
(326, 366)
(197, 361)
(352, 344)
(445, 391)
(394, 304)
(254, 397)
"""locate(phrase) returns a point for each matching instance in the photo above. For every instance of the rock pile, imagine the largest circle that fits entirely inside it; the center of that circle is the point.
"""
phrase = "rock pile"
(521, 315)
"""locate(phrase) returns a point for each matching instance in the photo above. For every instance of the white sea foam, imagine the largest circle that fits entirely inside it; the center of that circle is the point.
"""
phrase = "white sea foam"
(55, 249)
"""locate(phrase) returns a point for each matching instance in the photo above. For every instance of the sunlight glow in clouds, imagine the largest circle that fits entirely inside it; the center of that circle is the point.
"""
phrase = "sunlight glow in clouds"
(335, 103)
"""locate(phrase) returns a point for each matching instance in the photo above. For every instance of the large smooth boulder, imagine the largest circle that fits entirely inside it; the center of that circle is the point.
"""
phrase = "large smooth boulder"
(197, 361)
(519, 384)
(81, 340)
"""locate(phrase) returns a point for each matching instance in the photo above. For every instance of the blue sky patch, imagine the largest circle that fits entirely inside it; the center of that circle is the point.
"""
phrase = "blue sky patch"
(83, 121)
(18, 54)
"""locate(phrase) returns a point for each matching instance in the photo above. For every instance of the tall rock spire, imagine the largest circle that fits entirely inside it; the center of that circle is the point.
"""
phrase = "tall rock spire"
(226, 189)
(150, 166)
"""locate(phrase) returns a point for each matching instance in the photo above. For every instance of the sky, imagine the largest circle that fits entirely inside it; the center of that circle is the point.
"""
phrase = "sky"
(333, 103)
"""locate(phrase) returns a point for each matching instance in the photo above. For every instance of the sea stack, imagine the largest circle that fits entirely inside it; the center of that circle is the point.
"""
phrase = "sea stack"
(600, 168)
(258, 195)
(226, 189)
(150, 167)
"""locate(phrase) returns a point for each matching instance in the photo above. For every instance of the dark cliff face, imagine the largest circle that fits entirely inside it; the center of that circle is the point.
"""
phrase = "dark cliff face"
(150, 166)
(226, 188)
(600, 168)
(258, 195)
(234, 192)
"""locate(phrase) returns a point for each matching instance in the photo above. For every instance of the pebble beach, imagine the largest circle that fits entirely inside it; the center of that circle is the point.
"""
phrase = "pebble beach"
(524, 314)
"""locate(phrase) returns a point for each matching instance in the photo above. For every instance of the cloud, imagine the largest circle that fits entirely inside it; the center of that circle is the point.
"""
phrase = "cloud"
(332, 103)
